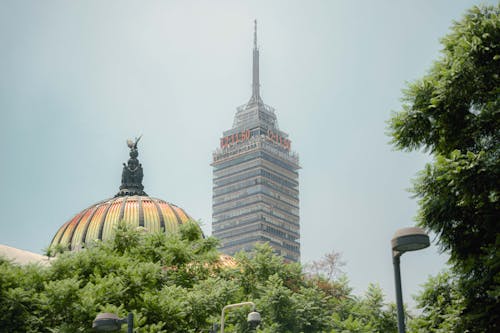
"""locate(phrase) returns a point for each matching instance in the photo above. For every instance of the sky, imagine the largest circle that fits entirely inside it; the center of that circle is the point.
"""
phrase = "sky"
(77, 78)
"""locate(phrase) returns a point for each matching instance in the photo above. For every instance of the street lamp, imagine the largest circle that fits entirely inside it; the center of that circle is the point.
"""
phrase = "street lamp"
(405, 240)
(108, 322)
(253, 317)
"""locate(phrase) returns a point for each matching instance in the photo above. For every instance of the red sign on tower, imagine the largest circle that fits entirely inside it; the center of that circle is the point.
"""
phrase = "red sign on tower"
(234, 138)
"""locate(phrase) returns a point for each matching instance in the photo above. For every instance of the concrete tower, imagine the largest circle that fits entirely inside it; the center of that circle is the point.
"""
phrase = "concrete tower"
(255, 180)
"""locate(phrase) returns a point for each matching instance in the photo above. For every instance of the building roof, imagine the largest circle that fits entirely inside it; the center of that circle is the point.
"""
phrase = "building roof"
(23, 257)
(131, 205)
(99, 221)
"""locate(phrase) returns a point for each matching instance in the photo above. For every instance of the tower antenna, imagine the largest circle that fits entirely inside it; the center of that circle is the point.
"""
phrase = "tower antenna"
(255, 34)
(255, 70)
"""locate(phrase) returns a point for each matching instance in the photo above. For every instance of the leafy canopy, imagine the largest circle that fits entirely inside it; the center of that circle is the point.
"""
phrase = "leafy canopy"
(177, 283)
(454, 112)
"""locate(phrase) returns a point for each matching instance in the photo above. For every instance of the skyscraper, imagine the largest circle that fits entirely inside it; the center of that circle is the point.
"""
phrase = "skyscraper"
(255, 180)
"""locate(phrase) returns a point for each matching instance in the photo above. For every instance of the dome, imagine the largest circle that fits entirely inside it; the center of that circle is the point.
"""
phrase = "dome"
(100, 220)
(131, 205)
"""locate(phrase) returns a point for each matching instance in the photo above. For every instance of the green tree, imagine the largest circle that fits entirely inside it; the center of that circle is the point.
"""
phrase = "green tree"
(19, 305)
(176, 283)
(369, 313)
(289, 302)
(169, 282)
(441, 303)
(172, 283)
(453, 112)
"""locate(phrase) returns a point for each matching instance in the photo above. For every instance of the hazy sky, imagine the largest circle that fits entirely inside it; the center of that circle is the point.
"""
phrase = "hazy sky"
(77, 78)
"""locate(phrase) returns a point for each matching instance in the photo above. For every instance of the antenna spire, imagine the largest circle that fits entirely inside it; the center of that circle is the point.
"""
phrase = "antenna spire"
(255, 70)
(254, 34)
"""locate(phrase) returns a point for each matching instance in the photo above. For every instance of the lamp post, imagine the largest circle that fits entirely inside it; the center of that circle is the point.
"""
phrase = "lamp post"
(405, 240)
(253, 317)
(108, 322)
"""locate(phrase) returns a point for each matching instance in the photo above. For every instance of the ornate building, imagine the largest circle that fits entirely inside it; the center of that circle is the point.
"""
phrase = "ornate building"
(131, 205)
(255, 180)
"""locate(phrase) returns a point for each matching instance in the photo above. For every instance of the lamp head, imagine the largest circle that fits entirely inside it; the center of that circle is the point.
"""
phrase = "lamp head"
(254, 319)
(409, 239)
(107, 322)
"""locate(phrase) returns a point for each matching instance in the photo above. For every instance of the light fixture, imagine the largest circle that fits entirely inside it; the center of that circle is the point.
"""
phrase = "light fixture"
(405, 240)
(253, 318)
(109, 322)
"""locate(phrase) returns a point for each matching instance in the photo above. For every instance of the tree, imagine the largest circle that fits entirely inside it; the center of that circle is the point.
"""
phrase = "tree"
(369, 313)
(176, 283)
(441, 303)
(453, 112)
(19, 304)
(169, 282)
(172, 283)
(327, 267)
(289, 303)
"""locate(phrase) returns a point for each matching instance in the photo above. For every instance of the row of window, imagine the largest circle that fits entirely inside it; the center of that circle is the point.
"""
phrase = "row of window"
(248, 169)
(235, 169)
(235, 177)
(259, 200)
(292, 200)
(262, 171)
(237, 228)
(235, 212)
(258, 161)
(251, 180)
(227, 219)
(293, 248)
(279, 162)
(236, 161)
(241, 197)
(241, 230)
(255, 237)
(255, 218)
(250, 240)
(279, 233)
(241, 220)
(251, 155)
(287, 172)
(276, 211)
(279, 180)
(252, 186)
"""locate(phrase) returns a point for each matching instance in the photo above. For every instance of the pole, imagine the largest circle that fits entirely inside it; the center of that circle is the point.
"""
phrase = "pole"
(130, 323)
(399, 294)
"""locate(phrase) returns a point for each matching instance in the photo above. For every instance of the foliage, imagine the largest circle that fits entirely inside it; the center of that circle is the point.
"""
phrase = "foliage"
(19, 304)
(160, 278)
(453, 111)
(441, 303)
(367, 314)
(287, 301)
(175, 283)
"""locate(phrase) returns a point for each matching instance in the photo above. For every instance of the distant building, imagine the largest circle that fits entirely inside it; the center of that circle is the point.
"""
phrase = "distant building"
(255, 180)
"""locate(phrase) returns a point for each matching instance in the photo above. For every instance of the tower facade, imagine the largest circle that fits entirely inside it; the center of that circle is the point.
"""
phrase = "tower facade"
(255, 180)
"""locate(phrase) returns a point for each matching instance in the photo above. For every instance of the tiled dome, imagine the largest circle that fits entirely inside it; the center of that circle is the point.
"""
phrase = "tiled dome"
(130, 205)
(100, 220)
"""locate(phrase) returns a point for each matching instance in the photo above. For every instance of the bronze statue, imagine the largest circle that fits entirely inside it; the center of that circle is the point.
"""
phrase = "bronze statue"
(132, 172)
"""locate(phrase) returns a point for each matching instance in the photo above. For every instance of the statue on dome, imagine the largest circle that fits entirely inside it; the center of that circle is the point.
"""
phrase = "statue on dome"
(132, 172)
